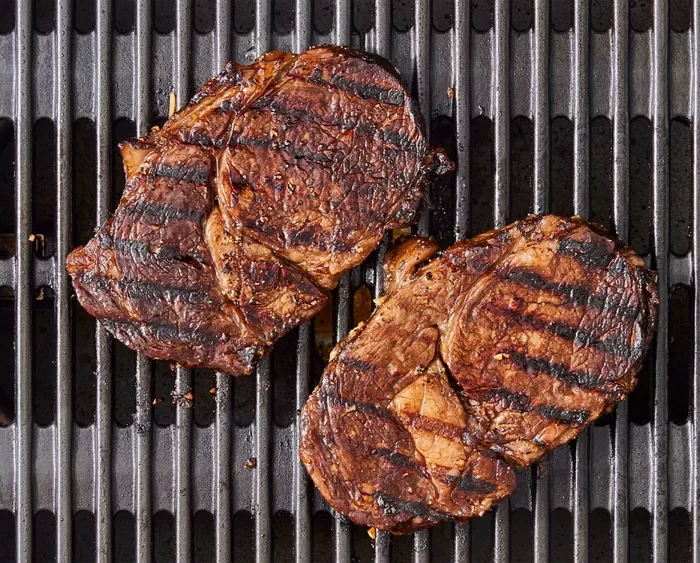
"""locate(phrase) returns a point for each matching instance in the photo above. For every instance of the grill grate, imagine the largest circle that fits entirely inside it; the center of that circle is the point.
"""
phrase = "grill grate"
(584, 95)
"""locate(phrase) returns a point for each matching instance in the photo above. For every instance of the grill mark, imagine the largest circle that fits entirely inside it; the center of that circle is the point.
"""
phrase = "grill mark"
(392, 506)
(580, 337)
(197, 174)
(143, 291)
(416, 420)
(371, 91)
(141, 250)
(285, 147)
(471, 484)
(593, 254)
(163, 332)
(163, 211)
(446, 430)
(364, 128)
(520, 402)
(581, 379)
(576, 294)
(397, 459)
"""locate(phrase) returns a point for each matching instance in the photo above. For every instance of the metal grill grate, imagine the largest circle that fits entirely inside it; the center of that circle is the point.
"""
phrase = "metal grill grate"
(564, 106)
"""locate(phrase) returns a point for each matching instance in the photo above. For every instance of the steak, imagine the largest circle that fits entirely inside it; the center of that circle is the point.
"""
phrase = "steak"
(246, 208)
(477, 362)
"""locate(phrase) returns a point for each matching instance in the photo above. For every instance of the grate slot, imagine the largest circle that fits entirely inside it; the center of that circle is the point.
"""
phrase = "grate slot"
(659, 477)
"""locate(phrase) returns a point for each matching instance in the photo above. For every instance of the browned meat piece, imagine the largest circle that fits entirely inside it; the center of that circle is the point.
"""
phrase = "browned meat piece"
(487, 357)
(246, 208)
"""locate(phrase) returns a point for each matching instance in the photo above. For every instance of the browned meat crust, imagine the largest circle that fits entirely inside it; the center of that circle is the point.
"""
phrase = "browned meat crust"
(249, 204)
(487, 357)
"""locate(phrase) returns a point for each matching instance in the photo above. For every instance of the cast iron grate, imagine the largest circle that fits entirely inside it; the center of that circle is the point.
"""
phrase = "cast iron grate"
(564, 106)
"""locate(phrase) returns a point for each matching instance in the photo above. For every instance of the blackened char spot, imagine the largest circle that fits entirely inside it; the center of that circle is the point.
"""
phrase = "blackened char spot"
(393, 506)
(163, 211)
(576, 294)
(568, 416)
(594, 254)
(542, 365)
(397, 459)
(471, 484)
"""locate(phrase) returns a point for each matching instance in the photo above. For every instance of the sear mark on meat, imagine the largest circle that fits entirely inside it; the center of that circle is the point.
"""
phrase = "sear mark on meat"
(245, 209)
(477, 362)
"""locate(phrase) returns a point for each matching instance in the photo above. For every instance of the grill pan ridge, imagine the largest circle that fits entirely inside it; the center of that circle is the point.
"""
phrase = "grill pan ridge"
(587, 108)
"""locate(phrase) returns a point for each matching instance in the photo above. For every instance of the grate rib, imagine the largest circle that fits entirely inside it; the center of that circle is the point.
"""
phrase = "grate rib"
(103, 422)
(461, 116)
(341, 530)
(142, 437)
(222, 439)
(695, 454)
(343, 22)
(64, 405)
(500, 96)
(659, 479)
(620, 124)
(303, 25)
(23, 287)
(263, 381)
(382, 45)
(540, 77)
(421, 77)
(581, 208)
(183, 377)
(302, 502)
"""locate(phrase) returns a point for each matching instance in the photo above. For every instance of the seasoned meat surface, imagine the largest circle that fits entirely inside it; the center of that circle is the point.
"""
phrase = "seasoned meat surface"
(483, 359)
(246, 208)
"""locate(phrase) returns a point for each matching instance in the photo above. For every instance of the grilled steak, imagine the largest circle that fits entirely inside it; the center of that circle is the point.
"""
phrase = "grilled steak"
(246, 208)
(484, 359)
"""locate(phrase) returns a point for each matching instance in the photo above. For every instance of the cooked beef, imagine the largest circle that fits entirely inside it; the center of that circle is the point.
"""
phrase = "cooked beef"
(484, 358)
(246, 208)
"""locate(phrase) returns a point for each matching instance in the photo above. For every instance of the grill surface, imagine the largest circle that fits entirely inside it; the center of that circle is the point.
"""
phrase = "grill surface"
(564, 107)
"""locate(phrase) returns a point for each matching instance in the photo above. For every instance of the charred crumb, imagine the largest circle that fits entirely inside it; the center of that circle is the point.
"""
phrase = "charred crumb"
(252, 463)
(185, 400)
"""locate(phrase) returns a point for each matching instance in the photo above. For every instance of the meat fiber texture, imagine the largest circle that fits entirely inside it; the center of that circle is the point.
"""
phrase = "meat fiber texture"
(246, 208)
(483, 359)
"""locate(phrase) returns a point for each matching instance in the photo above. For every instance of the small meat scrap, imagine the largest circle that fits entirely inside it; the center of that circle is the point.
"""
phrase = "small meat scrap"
(252, 463)
(516, 342)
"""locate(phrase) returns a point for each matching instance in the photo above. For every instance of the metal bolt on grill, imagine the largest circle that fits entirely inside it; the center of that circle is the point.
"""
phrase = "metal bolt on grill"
(575, 107)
